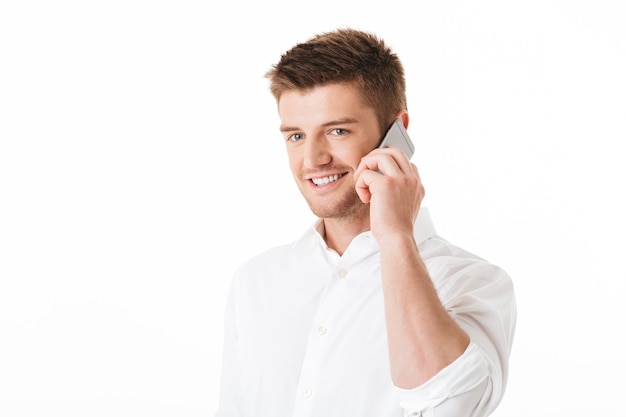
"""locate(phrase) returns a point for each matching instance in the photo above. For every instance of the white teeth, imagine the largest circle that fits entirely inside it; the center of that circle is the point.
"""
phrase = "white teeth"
(325, 180)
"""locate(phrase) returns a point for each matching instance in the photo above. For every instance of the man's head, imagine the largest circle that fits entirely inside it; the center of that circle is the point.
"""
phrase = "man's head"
(345, 56)
(337, 94)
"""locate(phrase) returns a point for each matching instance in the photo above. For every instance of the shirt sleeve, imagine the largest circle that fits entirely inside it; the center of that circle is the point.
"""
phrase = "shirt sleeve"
(452, 390)
(231, 396)
(481, 300)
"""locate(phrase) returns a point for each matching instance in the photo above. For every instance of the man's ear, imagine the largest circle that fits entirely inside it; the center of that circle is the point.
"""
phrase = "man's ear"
(404, 116)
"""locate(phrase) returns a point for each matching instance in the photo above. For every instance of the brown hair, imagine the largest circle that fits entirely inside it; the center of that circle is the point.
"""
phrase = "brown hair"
(345, 56)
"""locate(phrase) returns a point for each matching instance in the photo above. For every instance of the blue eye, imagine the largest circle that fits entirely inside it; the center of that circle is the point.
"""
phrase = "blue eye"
(295, 137)
(339, 131)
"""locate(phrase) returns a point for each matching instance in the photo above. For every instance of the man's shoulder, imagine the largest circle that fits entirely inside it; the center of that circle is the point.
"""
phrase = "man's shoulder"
(446, 260)
(438, 247)
(283, 254)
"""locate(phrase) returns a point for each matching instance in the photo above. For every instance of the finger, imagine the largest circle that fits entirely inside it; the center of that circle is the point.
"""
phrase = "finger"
(363, 191)
(401, 159)
(382, 160)
(363, 182)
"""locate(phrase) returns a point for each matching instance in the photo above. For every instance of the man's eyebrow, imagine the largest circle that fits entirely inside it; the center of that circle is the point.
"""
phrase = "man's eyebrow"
(344, 121)
(284, 128)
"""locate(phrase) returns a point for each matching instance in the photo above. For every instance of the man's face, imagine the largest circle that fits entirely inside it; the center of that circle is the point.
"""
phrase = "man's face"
(327, 131)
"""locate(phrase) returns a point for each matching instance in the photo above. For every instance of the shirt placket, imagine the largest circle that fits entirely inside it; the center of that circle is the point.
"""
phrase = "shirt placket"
(320, 340)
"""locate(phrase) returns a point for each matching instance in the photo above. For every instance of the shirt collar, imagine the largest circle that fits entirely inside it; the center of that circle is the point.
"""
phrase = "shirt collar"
(424, 228)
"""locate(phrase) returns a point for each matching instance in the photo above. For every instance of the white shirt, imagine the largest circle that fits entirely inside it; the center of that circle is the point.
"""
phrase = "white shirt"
(305, 333)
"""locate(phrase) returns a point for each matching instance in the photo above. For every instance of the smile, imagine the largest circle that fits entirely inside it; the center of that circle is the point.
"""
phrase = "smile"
(326, 180)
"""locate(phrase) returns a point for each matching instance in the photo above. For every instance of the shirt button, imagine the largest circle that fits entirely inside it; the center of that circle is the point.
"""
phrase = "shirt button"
(342, 273)
(307, 392)
(321, 330)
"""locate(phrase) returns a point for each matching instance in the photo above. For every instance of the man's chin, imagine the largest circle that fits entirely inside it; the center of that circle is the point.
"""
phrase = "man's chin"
(344, 209)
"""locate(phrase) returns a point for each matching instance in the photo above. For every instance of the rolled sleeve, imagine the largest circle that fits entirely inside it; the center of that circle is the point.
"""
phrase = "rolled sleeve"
(454, 391)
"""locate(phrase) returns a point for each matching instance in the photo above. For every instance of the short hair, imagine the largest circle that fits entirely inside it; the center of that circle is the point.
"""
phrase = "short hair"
(345, 56)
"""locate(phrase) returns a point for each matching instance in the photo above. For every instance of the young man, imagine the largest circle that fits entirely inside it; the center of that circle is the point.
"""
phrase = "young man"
(370, 312)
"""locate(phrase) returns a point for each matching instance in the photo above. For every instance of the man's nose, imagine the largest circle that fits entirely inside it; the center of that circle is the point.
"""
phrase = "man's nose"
(316, 152)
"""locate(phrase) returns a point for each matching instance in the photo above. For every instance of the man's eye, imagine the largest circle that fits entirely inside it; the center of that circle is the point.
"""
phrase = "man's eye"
(339, 132)
(295, 137)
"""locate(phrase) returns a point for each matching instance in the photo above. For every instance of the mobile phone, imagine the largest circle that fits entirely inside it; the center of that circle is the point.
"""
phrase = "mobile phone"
(398, 137)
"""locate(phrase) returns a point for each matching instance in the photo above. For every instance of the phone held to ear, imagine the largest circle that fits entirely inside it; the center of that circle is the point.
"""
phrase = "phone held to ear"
(398, 137)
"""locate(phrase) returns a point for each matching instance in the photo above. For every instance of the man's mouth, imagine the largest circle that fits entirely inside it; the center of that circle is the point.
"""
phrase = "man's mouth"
(326, 180)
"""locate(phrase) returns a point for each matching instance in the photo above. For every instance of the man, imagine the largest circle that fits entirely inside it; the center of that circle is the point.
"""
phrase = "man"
(370, 312)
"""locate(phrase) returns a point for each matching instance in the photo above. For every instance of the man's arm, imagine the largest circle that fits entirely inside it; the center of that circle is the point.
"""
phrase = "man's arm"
(230, 398)
(422, 337)
(437, 352)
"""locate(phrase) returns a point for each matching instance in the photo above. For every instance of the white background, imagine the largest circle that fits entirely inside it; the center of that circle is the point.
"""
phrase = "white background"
(140, 164)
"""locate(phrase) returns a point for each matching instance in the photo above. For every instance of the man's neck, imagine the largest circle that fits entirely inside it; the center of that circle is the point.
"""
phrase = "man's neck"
(338, 233)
